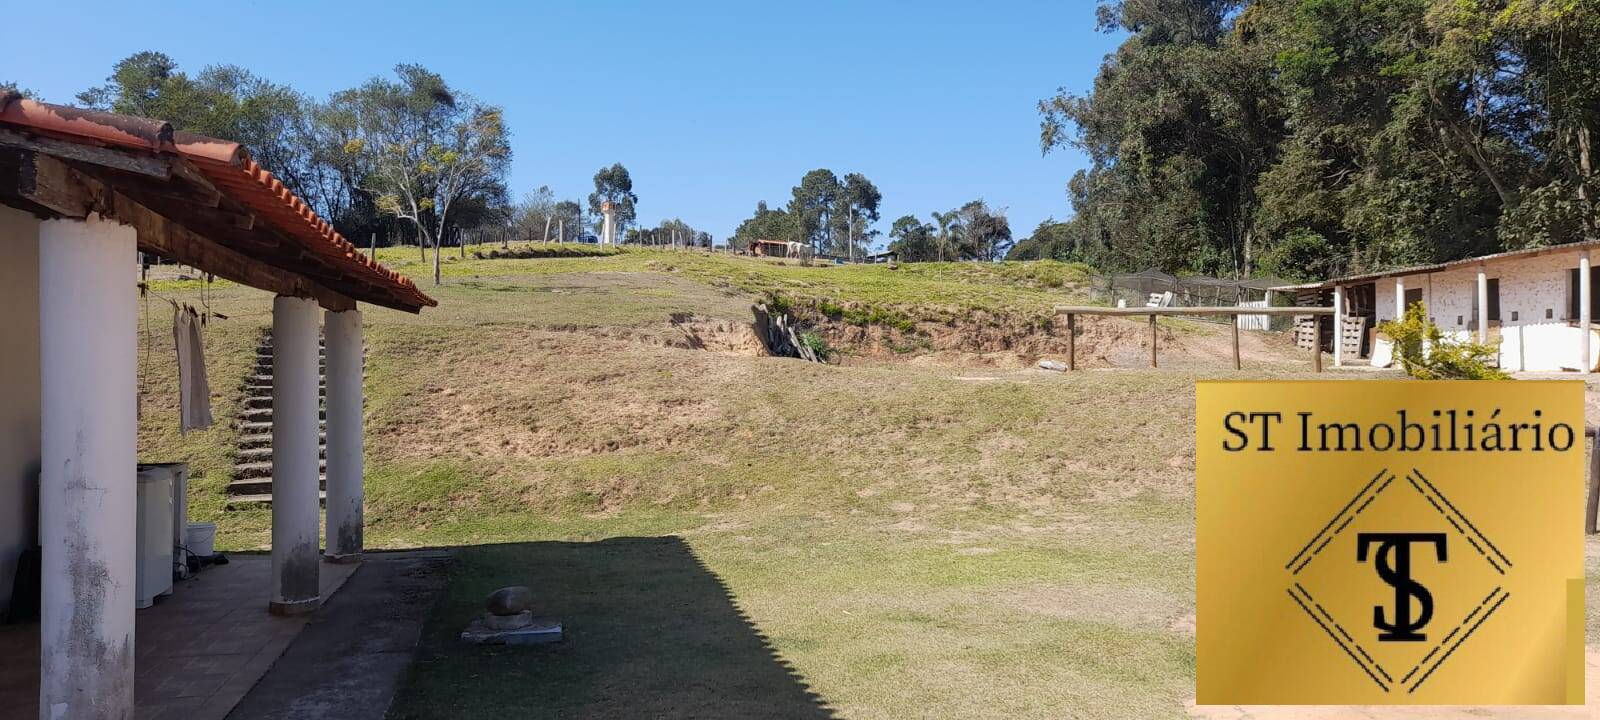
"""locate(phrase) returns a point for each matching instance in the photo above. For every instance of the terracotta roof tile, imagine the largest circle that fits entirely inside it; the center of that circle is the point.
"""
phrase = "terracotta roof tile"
(229, 167)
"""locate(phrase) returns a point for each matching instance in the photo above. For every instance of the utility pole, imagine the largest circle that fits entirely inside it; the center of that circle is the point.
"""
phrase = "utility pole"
(850, 232)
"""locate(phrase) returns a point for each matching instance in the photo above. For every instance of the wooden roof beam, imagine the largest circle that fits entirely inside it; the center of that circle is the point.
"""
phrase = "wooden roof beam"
(62, 190)
(50, 183)
(146, 165)
(160, 236)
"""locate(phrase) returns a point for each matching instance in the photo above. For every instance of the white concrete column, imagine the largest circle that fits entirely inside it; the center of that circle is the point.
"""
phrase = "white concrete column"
(1483, 305)
(88, 326)
(1586, 361)
(295, 409)
(1338, 325)
(345, 433)
(1399, 298)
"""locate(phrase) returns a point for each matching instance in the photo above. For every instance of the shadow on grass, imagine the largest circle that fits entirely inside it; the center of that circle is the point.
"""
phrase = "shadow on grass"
(650, 633)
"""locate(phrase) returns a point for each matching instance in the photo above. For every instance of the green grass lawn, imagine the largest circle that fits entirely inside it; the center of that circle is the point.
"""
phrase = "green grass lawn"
(736, 536)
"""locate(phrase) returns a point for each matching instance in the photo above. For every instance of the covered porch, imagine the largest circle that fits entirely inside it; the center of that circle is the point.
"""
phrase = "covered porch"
(82, 195)
(197, 653)
(1537, 307)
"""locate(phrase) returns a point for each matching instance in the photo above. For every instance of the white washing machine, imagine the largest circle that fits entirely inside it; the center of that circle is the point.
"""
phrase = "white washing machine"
(153, 542)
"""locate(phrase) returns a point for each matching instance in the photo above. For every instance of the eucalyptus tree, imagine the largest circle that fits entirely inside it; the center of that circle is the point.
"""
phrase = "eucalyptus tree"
(913, 240)
(11, 86)
(985, 232)
(811, 204)
(424, 147)
(568, 214)
(856, 208)
(614, 185)
(535, 214)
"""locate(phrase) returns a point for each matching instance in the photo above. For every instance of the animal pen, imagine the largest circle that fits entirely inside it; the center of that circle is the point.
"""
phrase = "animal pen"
(1312, 314)
(1154, 288)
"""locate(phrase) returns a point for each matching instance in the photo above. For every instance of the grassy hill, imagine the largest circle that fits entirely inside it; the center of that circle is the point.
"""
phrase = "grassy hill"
(873, 537)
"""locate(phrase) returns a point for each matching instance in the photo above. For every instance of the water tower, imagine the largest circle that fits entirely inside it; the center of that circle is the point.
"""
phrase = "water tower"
(608, 231)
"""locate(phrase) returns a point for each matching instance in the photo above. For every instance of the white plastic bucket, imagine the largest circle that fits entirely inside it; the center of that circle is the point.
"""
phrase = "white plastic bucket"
(202, 538)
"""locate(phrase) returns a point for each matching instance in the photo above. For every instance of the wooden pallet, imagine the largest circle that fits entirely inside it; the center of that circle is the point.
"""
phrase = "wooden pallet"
(1305, 332)
(1351, 336)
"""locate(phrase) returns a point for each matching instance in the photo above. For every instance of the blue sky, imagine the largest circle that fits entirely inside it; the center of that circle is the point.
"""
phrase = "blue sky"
(711, 106)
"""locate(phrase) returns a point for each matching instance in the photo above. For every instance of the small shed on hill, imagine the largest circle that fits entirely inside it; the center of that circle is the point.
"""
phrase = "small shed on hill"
(775, 248)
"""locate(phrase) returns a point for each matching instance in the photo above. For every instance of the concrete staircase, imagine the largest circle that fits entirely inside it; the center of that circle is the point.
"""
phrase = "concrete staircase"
(252, 470)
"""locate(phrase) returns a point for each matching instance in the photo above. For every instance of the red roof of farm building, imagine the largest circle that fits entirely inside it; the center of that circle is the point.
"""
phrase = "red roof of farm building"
(318, 251)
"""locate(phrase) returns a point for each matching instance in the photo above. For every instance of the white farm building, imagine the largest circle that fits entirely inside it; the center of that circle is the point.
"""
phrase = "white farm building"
(1538, 306)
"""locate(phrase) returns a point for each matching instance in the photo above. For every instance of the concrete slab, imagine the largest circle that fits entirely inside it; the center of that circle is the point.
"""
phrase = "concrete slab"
(357, 647)
(196, 653)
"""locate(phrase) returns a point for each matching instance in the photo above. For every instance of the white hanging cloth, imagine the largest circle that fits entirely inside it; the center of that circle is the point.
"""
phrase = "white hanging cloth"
(194, 390)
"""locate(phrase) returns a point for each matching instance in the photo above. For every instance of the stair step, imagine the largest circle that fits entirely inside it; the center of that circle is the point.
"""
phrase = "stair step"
(266, 412)
(261, 468)
(240, 502)
(266, 368)
(265, 393)
(266, 427)
(266, 379)
(263, 485)
(262, 453)
(259, 439)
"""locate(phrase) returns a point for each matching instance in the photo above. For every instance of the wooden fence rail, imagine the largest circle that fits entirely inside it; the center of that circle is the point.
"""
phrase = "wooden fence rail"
(1591, 515)
(1073, 311)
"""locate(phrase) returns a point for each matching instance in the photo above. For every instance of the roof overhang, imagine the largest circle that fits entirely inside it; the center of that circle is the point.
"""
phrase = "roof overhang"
(194, 199)
(1444, 266)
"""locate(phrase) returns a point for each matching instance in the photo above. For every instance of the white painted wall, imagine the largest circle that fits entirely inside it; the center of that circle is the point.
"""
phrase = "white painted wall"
(19, 392)
(1541, 338)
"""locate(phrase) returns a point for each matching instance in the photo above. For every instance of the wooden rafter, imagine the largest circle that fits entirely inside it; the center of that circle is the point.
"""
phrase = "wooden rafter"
(48, 182)
(140, 165)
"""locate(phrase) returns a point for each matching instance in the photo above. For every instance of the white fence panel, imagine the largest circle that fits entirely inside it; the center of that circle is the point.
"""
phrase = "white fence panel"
(1253, 322)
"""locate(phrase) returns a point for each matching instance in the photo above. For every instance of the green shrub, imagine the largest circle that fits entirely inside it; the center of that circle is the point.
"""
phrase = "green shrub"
(1425, 353)
(817, 343)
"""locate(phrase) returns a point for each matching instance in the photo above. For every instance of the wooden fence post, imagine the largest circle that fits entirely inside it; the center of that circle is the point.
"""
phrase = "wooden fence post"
(1235, 319)
(1592, 504)
(1316, 344)
(1072, 341)
(1152, 339)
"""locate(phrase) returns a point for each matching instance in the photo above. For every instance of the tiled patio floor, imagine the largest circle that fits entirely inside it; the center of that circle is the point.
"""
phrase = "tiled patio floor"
(197, 652)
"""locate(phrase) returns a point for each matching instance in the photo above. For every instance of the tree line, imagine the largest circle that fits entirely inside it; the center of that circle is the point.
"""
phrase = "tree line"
(832, 215)
(1313, 138)
(973, 231)
(394, 160)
